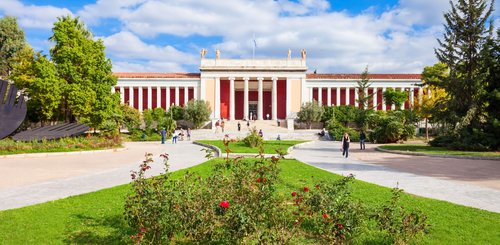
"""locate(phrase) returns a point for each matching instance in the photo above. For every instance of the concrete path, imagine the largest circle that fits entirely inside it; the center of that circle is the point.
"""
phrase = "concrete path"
(391, 172)
(30, 180)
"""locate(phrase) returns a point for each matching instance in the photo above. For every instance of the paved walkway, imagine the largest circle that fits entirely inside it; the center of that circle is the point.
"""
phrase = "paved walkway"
(454, 180)
(26, 181)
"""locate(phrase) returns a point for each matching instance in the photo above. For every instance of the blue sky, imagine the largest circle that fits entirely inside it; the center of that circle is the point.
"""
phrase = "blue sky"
(340, 36)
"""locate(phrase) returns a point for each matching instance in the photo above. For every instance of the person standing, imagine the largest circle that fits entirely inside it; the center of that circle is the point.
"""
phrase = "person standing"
(261, 134)
(362, 138)
(222, 125)
(174, 137)
(248, 124)
(345, 145)
(239, 126)
(163, 135)
(217, 125)
(189, 134)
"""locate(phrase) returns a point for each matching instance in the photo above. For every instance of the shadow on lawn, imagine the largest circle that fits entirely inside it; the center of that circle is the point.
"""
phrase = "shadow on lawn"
(102, 230)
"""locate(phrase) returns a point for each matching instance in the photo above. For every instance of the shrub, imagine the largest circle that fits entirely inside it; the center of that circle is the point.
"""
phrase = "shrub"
(397, 222)
(337, 130)
(253, 139)
(197, 112)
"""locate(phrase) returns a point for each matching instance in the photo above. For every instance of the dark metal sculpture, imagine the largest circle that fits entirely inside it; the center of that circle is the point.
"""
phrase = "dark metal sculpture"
(12, 109)
(52, 132)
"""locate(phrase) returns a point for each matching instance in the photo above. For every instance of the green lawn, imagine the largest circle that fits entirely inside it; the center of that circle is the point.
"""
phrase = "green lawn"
(270, 146)
(82, 143)
(96, 218)
(423, 148)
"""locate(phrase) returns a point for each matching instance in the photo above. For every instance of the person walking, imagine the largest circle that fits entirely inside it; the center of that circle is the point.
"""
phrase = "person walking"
(345, 145)
(362, 139)
(189, 134)
(239, 126)
(261, 134)
(174, 137)
(163, 135)
(248, 124)
(222, 125)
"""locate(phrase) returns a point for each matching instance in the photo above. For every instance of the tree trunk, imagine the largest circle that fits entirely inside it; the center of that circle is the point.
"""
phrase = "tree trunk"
(426, 130)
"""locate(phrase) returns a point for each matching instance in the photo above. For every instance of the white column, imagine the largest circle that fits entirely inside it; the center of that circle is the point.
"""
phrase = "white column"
(158, 97)
(131, 97)
(366, 96)
(177, 96)
(384, 106)
(311, 97)
(167, 90)
(412, 97)
(231, 99)
(245, 98)
(329, 96)
(320, 96)
(150, 98)
(113, 90)
(140, 99)
(375, 98)
(202, 89)
(347, 94)
(356, 97)
(260, 101)
(274, 104)
(217, 98)
(122, 95)
(288, 97)
(304, 91)
(186, 95)
(337, 103)
(195, 93)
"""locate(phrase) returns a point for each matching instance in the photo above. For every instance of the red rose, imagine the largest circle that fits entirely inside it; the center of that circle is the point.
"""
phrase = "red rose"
(224, 204)
(340, 226)
(325, 216)
(317, 186)
(294, 193)
(306, 189)
(258, 180)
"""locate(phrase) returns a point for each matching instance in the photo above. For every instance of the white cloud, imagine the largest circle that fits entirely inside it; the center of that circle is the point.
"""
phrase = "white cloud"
(33, 16)
(122, 66)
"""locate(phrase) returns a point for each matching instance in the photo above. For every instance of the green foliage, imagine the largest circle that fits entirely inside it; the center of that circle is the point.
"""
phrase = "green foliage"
(328, 113)
(197, 112)
(131, 117)
(310, 112)
(253, 139)
(345, 114)
(68, 144)
(400, 224)
(337, 130)
(363, 86)
(268, 146)
(390, 127)
(11, 41)
(81, 63)
(175, 112)
(394, 97)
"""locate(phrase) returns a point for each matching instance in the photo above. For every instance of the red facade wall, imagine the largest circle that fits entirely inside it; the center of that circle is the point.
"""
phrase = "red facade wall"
(315, 94)
(190, 93)
(181, 96)
(224, 98)
(380, 106)
(136, 98)
(127, 98)
(334, 96)
(164, 98)
(238, 104)
(352, 98)
(342, 96)
(267, 104)
(324, 96)
(281, 87)
(145, 98)
(154, 102)
(172, 96)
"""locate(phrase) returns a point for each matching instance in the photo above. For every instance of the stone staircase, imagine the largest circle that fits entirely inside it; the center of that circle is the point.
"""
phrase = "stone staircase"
(269, 129)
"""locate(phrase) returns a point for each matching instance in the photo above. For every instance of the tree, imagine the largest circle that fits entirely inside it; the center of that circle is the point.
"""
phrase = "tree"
(432, 76)
(394, 97)
(363, 86)
(82, 64)
(468, 28)
(310, 112)
(11, 41)
(345, 114)
(197, 112)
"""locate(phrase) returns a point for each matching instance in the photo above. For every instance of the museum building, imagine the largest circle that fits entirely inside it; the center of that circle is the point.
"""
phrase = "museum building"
(259, 89)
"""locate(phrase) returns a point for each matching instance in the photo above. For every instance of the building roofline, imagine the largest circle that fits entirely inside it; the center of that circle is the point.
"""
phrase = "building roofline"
(358, 76)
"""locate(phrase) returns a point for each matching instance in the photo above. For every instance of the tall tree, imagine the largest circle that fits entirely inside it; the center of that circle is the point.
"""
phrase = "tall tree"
(11, 41)
(82, 64)
(394, 97)
(468, 27)
(310, 112)
(363, 85)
